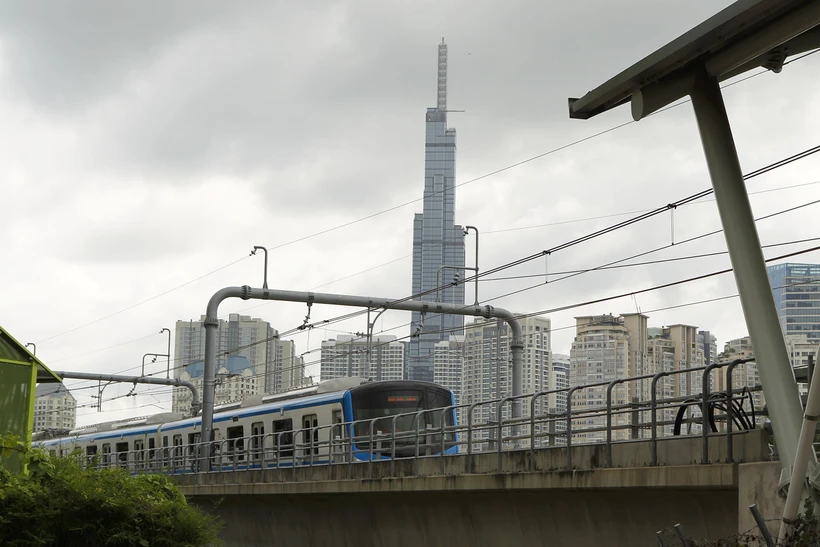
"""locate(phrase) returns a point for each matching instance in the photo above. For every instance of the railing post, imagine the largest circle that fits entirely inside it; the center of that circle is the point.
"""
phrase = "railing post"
(569, 425)
(470, 437)
(443, 431)
(532, 430)
(635, 418)
(730, 410)
(350, 450)
(393, 449)
(653, 413)
(370, 449)
(609, 388)
(500, 443)
(418, 431)
(704, 411)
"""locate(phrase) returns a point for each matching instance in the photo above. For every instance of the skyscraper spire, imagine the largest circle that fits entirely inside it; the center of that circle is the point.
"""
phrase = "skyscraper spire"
(442, 77)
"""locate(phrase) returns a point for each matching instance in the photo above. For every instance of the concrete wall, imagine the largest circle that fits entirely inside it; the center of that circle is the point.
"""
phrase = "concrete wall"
(573, 518)
(434, 502)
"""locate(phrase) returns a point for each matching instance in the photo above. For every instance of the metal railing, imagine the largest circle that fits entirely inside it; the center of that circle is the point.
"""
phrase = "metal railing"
(620, 416)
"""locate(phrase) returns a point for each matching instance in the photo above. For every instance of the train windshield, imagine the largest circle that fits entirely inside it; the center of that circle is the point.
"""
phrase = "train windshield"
(386, 401)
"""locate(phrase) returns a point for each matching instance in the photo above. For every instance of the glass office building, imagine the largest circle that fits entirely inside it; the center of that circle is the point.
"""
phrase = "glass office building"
(796, 290)
(437, 240)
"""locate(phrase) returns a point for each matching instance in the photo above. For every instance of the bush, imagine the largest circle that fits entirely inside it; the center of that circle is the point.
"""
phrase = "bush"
(60, 503)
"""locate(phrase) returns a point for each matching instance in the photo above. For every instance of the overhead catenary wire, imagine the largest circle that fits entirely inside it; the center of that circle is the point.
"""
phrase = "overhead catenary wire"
(396, 207)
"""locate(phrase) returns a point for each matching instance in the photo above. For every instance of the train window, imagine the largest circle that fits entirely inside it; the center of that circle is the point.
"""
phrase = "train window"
(151, 447)
(91, 450)
(106, 450)
(165, 441)
(285, 440)
(122, 451)
(258, 439)
(310, 435)
(236, 442)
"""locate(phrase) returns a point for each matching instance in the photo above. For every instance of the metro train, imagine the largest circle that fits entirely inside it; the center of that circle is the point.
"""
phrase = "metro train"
(259, 431)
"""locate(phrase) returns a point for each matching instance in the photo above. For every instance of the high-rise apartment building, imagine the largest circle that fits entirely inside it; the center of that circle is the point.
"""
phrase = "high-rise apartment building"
(438, 243)
(559, 380)
(347, 356)
(236, 380)
(608, 348)
(448, 361)
(54, 408)
(274, 364)
(601, 353)
(796, 290)
(487, 363)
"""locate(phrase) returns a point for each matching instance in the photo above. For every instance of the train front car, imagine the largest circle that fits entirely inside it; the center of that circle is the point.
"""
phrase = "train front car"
(415, 408)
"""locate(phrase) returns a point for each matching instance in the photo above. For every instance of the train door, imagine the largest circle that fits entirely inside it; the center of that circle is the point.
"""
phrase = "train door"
(177, 451)
(236, 443)
(106, 454)
(310, 435)
(337, 434)
(139, 453)
(121, 449)
(283, 437)
(257, 440)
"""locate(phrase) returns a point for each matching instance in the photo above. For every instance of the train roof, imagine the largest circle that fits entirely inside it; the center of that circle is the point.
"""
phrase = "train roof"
(322, 392)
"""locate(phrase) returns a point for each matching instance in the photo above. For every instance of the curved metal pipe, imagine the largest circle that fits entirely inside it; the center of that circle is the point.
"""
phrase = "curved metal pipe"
(246, 293)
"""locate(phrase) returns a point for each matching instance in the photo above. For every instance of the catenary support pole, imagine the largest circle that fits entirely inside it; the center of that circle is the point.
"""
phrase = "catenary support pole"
(249, 293)
(776, 376)
(137, 380)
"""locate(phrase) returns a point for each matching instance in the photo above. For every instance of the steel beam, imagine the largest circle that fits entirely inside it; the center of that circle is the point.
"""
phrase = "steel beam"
(776, 376)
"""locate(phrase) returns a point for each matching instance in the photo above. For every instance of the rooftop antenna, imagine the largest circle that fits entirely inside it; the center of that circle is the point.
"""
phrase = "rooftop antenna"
(442, 76)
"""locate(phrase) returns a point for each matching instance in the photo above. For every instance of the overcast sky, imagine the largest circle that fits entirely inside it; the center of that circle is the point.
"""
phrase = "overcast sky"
(147, 144)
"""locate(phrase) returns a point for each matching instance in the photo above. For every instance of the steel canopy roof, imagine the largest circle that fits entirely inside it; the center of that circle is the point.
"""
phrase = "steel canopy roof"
(745, 35)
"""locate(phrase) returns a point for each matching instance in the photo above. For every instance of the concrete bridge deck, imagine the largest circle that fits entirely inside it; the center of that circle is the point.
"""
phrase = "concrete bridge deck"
(535, 502)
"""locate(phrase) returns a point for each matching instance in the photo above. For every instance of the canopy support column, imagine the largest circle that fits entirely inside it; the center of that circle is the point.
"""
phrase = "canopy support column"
(776, 375)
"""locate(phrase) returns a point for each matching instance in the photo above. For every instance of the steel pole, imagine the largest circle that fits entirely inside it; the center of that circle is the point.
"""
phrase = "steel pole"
(466, 230)
(776, 376)
(168, 368)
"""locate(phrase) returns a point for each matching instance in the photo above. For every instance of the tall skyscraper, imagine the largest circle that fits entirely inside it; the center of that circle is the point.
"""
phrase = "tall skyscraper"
(437, 240)
(796, 289)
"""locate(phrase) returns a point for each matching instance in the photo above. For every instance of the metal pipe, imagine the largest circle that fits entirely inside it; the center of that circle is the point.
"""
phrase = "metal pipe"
(34, 346)
(245, 293)
(704, 411)
(154, 355)
(653, 413)
(168, 368)
(265, 279)
(444, 267)
(466, 230)
(804, 454)
(761, 524)
(136, 380)
(776, 375)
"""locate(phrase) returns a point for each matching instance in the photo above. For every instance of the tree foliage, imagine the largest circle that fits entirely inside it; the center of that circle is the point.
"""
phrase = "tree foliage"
(58, 502)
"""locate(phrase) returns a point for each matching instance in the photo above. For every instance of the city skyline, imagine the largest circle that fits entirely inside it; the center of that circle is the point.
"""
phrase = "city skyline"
(169, 160)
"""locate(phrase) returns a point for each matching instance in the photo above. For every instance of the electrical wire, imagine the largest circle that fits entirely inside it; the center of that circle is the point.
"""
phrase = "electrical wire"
(390, 209)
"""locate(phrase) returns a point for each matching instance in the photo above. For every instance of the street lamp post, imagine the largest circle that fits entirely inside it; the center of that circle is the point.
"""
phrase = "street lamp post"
(253, 252)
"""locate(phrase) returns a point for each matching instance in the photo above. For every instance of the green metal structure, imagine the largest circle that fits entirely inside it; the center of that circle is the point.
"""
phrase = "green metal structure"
(20, 372)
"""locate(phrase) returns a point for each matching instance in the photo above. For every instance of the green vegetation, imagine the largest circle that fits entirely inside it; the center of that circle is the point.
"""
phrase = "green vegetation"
(59, 503)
